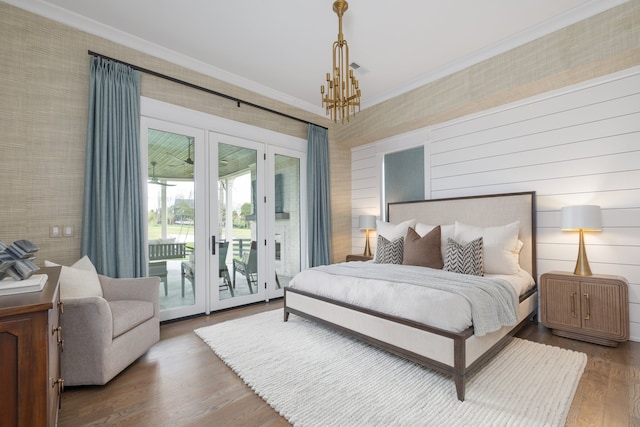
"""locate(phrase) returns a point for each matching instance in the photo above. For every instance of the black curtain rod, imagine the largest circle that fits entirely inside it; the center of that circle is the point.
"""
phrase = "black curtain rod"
(204, 89)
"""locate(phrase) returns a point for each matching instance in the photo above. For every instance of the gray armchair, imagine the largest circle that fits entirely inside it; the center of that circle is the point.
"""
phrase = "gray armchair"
(102, 336)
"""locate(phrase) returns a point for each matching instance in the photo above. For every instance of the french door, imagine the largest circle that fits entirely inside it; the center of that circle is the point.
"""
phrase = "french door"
(175, 231)
(237, 221)
(225, 206)
(256, 220)
(286, 217)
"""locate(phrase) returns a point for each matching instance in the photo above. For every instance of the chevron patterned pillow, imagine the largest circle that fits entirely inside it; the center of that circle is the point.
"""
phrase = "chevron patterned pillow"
(465, 259)
(389, 252)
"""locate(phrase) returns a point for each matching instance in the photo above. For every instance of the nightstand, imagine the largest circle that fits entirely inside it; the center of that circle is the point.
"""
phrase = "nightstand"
(588, 308)
(354, 257)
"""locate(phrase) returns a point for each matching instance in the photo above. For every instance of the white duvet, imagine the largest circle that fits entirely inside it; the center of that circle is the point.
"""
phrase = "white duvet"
(438, 308)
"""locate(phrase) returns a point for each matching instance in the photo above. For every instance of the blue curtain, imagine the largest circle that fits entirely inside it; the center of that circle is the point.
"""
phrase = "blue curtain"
(113, 221)
(318, 202)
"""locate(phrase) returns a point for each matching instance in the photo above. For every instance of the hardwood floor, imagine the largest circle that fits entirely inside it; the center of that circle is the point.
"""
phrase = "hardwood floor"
(609, 391)
(180, 382)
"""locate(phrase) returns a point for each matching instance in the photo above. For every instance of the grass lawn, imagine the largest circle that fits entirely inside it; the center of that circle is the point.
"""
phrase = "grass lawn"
(183, 233)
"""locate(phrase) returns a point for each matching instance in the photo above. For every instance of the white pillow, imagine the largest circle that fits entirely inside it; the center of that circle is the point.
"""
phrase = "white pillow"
(446, 233)
(85, 263)
(79, 280)
(500, 245)
(392, 231)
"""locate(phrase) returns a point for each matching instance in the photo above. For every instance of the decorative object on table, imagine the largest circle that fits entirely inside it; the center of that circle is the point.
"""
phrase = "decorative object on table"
(581, 218)
(367, 223)
(16, 259)
(35, 283)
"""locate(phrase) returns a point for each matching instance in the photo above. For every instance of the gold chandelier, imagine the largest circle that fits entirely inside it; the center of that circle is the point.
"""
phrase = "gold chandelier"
(343, 93)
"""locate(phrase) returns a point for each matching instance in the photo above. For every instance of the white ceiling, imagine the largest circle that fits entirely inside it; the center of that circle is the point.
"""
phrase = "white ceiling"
(282, 48)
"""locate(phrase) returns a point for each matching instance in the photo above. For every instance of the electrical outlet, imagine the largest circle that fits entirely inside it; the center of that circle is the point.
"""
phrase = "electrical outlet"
(55, 231)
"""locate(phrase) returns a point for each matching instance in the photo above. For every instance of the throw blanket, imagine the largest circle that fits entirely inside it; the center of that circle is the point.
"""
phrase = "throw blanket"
(494, 302)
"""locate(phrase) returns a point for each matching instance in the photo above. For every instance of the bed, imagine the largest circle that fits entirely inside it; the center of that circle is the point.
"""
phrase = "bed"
(449, 346)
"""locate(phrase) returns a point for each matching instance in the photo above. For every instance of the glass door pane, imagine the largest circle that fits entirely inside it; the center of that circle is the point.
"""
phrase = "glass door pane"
(287, 253)
(238, 204)
(171, 208)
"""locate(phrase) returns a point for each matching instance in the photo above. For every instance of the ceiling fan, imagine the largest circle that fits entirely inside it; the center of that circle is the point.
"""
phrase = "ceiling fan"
(188, 160)
(154, 179)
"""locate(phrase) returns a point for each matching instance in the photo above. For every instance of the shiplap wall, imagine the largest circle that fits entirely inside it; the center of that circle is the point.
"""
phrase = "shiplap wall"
(580, 145)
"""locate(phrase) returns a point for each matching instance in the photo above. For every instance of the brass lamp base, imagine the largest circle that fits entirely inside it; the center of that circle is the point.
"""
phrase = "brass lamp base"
(367, 247)
(582, 264)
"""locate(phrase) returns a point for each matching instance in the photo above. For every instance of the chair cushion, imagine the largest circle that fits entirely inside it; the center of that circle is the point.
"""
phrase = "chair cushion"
(129, 314)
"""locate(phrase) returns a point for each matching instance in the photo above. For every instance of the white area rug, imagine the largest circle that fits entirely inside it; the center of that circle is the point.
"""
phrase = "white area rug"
(317, 377)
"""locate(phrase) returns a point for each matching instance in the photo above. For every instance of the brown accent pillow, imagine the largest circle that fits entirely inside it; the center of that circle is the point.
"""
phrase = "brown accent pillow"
(423, 251)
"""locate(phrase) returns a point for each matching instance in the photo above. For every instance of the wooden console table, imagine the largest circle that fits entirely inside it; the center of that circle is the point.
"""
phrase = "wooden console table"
(30, 345)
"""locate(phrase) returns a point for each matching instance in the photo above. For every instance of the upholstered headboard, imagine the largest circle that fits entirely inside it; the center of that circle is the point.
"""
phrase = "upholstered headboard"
(488, 210)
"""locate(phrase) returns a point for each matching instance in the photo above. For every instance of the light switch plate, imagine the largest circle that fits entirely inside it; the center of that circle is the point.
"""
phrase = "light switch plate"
(55, 231)
(67, 231)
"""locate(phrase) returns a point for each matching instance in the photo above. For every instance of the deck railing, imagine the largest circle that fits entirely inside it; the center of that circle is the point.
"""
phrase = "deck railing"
(158, 251)
(163, 251)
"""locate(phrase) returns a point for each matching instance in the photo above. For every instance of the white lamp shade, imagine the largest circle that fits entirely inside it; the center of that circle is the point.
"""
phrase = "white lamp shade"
(367, 222)
(585, 217)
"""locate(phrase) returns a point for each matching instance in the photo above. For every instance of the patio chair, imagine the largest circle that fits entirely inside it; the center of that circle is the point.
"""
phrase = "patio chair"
(223, 271)
(188, 271)
(248, 267)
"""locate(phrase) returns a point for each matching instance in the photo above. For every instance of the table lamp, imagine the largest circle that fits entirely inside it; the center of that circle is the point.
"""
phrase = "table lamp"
(367, 223)
(581, 218)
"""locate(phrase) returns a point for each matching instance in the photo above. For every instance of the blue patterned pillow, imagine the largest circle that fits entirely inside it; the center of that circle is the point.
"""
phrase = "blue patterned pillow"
(465, 259)
(388, 252)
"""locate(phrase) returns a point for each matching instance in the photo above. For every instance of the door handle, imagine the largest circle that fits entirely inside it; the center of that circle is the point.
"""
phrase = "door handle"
(213, 245)
(587, 315)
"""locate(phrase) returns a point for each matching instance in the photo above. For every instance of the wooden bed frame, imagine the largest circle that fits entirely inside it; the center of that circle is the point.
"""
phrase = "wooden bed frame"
(456, 353)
